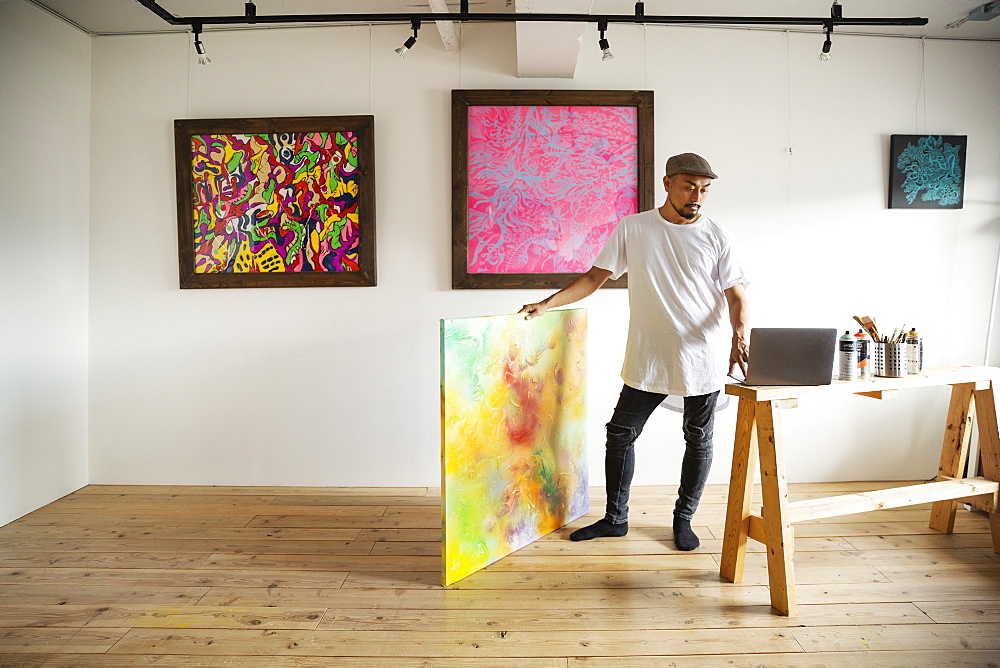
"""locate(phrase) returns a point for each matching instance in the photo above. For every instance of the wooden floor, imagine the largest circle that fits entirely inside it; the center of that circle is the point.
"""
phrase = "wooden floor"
(262, 576)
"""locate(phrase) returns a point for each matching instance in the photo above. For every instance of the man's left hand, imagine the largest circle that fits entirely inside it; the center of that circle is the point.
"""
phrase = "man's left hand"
(739, 355)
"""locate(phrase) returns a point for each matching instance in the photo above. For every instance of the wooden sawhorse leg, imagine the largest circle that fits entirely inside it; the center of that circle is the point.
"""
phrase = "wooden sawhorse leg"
(953, 452)
(758, 430)
(964, 397)
(777, 520)
(989, 447)
(734, 543)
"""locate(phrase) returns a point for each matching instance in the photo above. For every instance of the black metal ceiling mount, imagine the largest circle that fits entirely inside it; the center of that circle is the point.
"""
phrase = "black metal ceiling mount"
(464, 16)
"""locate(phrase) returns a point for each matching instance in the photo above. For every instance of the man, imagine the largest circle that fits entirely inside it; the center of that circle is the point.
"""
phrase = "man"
(682, 277)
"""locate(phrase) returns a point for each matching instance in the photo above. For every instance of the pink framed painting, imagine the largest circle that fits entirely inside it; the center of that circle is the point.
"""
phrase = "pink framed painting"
(541, 178)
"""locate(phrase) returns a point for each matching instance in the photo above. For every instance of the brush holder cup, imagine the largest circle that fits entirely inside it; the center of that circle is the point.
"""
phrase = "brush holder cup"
(891, 359)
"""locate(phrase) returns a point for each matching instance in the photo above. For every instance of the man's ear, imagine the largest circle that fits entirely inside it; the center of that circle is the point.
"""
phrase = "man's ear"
(666, 183)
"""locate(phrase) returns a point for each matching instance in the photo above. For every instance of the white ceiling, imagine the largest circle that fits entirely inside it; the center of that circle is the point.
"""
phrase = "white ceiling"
(114, 17)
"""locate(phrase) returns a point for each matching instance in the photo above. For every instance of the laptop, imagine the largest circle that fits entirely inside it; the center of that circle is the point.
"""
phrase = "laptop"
(791, 356)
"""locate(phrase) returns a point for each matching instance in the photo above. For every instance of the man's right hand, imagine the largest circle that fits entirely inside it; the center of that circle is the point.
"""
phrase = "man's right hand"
(533, 310)
(581, 286)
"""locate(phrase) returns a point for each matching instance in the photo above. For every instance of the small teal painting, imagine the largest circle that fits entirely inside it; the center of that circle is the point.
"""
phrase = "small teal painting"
(927, 171)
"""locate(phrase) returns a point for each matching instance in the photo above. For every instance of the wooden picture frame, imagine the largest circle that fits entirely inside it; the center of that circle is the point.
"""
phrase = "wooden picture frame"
(548, 176)
(276, 202)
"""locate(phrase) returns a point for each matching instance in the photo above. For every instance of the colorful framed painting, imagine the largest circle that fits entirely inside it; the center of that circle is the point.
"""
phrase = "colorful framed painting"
(541, 178)
(276, 202)
(513, 434)
(927, 171)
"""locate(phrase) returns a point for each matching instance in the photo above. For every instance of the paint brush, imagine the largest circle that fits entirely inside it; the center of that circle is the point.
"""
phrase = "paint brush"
(875, 333)
(868, 325)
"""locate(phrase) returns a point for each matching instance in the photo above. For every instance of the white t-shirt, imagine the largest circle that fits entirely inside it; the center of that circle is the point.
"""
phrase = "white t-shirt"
(678, 312)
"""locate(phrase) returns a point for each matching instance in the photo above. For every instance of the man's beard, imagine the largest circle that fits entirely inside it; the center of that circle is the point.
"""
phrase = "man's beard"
(684, 213)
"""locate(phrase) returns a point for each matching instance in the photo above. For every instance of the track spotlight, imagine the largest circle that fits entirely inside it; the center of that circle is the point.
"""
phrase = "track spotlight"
(199, 47)
(410, 41)
(836, 12)
(824, 55)
(602, 26)
(407, 45)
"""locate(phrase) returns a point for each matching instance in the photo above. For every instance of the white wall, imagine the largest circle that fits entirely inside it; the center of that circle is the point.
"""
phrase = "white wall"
(44, 201)
(339, 386)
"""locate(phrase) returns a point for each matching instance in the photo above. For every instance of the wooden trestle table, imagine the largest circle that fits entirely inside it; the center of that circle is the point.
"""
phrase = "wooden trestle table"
(758, 430)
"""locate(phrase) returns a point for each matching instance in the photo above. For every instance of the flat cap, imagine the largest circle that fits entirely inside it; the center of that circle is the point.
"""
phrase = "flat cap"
(690, 163)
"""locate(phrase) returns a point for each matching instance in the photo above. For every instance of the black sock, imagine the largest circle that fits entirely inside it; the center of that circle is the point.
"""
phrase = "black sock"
(684, 538)
(600, 529)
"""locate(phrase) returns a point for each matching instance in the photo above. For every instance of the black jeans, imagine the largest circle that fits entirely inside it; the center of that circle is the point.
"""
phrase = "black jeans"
(633, 409)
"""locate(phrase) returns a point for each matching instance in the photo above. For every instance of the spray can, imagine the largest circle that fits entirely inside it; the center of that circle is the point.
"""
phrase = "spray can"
(863, 347)
(914, 352)
(848, 357)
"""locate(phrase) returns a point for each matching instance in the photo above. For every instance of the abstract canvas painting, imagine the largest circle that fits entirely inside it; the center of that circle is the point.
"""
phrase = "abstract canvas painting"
(275, 202)
(927, 171)
(513, 455)
(542, 178)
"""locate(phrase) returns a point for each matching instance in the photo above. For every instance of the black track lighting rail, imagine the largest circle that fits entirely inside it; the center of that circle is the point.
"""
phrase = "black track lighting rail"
(251, 17)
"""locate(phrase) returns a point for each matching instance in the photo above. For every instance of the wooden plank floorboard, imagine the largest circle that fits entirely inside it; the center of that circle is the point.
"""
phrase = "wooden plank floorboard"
(960, 612)
(302, 521)
(61, 594)
(986, 573)
(140, 499)
(637, 545)
(183, 501)
(472, 644)
(971, 590)
(159, 616)
(618, 579)
(852, 529)
(154, 510)
(58, 640)
(900, 659)
(933, 539)
(245, 661)
(116, 575)
(18, 558)
(91, 519)
(610, 619)
(984, 636)
(152, 577)
(893, 557)
(322, 562)
(349, 492)
(555, 600)
(157, 532)
(527, 563)
(249, 546)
